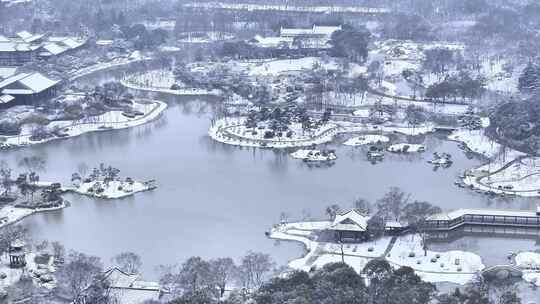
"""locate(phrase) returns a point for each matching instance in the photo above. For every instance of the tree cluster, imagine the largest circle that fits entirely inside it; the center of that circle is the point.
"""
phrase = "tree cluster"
(461, 86)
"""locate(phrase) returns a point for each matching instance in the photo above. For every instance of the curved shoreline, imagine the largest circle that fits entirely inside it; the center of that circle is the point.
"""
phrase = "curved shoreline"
(102, 67)
(220, 133)
(26, 212)
(87, 127)
(181, 92)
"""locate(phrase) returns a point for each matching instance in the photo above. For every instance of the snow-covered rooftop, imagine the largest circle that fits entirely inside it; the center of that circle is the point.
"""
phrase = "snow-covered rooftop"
(26, 83)
(315, 30)
(28, 37)
(6, 72)
(54, 48)
(351, 220)
(6, 98)
(273, 41)
(128, 289)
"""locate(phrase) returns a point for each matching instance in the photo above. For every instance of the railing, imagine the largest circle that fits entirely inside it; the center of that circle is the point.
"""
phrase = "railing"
(486, 220)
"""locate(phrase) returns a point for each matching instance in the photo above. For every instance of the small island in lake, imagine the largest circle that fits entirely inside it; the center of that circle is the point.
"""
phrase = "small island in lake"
(315, 155)
(105, 182)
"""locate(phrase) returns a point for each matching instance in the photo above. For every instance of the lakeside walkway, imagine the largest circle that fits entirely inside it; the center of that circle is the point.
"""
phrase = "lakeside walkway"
(448, 221)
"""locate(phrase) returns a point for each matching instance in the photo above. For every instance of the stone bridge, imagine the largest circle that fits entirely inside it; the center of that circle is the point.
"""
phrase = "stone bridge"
(502, 272)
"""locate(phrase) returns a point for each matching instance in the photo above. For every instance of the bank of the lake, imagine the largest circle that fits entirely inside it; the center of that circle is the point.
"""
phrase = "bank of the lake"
(216, 199)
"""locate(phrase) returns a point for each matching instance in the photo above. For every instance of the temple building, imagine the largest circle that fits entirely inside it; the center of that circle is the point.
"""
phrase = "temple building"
(17, 254)
(26, 47)
(26, 88)
(352, 227)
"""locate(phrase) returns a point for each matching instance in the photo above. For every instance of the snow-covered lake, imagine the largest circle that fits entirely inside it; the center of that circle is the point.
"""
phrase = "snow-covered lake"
(217, 200)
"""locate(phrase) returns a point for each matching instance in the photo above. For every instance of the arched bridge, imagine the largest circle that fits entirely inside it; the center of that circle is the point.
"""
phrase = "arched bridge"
(503, 271)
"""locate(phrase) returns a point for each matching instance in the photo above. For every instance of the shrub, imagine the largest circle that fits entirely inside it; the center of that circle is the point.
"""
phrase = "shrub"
(269, 134)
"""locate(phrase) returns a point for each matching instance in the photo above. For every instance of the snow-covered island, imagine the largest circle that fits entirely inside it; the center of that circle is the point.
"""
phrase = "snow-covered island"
(442, 160)
(314, 155)
(240, 131)
(368, 139)
(406, 148)
(104, 182)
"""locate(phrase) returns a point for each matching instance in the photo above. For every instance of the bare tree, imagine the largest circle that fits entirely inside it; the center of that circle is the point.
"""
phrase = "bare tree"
(332, 211)
(59, 252)
(78, 273)
(192, 277)
(11, 233)
(254, 268)
(128, 262)
(392, 202)
(223, 270)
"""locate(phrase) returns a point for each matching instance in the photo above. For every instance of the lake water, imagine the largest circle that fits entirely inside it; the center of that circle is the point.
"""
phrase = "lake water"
(215, 200)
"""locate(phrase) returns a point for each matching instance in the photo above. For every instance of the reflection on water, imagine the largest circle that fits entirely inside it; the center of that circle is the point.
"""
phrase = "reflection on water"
(218, 200)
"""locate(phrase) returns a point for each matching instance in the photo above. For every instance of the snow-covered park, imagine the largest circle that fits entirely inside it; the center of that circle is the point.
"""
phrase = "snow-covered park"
(149, 110)
(450, 266)
(233, 131)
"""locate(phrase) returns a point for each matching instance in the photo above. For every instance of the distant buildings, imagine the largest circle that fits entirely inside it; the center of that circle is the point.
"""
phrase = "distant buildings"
(26, 47)
(317, 37)
(24, 88)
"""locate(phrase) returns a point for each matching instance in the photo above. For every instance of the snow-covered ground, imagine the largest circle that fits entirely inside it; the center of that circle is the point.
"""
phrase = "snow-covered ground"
(452, 266)
(233, 131)
(477, 142)
(208, 37)
(348, 127)
(406, 148)
(110, 120)
(366, 100)
(10, 214)
(134, 57)
(313, 155)
(112, 190)
(162, 81)
(181, 91)
(276, 67)
(529, 262)
(289, 8)
(366, 140)
(13, 275)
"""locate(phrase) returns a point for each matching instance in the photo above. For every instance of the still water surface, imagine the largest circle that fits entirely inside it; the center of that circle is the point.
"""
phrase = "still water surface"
(216, 200)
